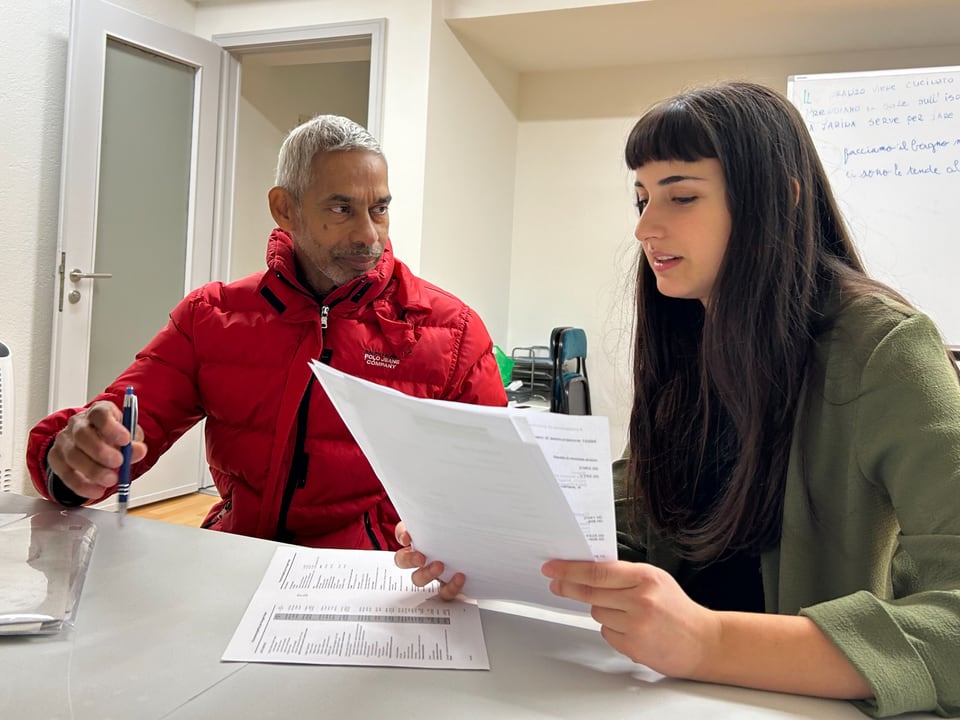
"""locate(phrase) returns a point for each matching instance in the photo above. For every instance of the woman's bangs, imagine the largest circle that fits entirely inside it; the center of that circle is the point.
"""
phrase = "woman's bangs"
(667, 133)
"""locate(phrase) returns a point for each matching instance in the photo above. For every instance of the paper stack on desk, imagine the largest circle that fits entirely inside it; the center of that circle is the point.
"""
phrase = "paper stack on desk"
(491, 492)
(321, 606)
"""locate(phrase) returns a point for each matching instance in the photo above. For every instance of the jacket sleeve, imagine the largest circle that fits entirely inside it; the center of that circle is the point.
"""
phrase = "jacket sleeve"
(476, 376)
(163, 375)
(908, 446)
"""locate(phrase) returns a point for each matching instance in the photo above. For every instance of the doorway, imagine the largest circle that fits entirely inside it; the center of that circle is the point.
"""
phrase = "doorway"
(273, 80)
(280, 89)
(212, 172)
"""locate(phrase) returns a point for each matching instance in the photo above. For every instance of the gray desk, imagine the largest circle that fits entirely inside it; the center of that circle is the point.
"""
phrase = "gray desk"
(161, 602)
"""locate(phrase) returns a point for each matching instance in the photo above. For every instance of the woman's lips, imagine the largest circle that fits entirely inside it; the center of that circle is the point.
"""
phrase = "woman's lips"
(662, 263)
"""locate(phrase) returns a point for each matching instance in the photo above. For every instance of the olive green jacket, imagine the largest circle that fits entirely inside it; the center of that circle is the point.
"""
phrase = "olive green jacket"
(876, 564)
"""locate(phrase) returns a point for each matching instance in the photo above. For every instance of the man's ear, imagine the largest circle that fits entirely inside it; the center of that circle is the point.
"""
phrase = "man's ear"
(284, 209)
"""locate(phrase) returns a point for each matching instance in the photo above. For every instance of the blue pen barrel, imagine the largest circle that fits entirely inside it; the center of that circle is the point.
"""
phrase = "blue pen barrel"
(123, 486)
(130, 423)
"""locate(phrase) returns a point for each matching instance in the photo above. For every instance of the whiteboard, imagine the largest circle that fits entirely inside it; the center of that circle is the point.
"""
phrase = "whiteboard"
(890, 143)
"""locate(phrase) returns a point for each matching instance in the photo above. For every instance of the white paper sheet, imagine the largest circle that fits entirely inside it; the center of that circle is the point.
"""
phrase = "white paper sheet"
(577, 449)
(479, 488)
(353, 607)
(7, 518)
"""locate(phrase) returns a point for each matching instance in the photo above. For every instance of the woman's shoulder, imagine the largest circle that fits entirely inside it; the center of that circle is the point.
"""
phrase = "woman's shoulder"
(875, 329)
(864, 321)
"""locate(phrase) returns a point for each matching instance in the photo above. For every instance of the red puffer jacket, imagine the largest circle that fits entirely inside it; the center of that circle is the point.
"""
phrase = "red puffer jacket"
(286, 466)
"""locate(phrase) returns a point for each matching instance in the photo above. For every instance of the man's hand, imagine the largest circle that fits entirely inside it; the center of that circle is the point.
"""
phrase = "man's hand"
(86, 454)
(424, 573)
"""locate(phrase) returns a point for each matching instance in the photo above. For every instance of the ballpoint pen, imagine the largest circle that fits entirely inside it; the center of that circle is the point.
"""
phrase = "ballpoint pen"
(130, 423)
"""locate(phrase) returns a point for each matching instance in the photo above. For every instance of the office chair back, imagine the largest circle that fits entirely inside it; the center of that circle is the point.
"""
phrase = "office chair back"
(571, 387)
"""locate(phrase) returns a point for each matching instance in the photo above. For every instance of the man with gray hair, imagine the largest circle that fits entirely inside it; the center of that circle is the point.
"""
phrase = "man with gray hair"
(237, 354)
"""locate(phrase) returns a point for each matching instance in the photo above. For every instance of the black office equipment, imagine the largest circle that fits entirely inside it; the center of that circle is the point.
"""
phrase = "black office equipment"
(533, 366)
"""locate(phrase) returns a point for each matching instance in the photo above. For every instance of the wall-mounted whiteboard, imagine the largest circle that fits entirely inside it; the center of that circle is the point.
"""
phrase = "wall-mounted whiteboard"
(890, 142)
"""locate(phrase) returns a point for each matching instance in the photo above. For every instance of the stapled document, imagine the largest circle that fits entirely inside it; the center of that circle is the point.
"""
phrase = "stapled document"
(491, 492)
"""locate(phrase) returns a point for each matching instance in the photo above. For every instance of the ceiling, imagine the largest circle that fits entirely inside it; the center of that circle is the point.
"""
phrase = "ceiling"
(670, 31)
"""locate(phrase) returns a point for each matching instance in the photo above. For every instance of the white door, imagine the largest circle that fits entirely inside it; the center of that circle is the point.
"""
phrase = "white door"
(137, 206)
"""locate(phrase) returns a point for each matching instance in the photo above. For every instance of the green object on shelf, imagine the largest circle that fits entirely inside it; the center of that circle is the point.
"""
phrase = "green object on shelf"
(505, 363)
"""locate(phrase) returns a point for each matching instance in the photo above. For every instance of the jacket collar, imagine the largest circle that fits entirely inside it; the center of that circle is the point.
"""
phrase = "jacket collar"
(281, 262)
(387, 285)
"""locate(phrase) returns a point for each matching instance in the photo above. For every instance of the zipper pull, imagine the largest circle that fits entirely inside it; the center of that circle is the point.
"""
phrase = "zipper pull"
(324, 315)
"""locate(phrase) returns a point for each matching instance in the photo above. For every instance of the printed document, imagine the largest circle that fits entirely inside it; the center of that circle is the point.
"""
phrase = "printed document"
(354, 607)
(491, 492)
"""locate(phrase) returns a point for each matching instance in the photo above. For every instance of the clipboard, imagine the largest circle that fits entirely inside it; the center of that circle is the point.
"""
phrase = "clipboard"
(43, 563)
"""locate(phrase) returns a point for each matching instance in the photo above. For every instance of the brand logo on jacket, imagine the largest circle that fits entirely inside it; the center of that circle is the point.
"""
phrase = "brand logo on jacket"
(377, 359)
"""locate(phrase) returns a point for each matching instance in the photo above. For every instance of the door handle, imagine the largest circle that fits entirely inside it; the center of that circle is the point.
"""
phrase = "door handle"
(76, 275)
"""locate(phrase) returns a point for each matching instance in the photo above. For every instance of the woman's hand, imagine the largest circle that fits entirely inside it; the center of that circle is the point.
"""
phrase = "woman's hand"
(424, 572)
(643, 612)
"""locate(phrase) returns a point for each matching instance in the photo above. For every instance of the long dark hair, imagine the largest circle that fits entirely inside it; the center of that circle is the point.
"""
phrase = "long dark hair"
(787, 254)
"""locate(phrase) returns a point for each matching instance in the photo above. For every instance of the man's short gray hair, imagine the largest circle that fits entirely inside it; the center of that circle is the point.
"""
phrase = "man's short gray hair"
(323, 133)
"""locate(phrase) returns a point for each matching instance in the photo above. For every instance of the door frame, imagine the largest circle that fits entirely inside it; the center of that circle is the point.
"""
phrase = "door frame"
(92, 24)
(77, 211)
(239, 44)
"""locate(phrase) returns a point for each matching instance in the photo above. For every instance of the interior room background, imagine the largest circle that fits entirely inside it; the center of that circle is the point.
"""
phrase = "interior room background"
(503, 124)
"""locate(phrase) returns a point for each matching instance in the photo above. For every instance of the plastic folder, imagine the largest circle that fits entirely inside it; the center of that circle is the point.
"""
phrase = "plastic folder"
(43, 562)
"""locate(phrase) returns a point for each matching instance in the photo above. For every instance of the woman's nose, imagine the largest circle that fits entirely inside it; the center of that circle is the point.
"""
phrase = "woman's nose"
(647, 227)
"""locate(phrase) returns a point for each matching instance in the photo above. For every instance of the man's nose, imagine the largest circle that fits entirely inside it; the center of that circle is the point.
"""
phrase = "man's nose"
(366, 231)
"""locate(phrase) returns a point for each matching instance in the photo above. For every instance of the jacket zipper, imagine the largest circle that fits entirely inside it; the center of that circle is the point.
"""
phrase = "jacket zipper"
(369, 528)
(325, 358)
(298, 465)
(219, 516)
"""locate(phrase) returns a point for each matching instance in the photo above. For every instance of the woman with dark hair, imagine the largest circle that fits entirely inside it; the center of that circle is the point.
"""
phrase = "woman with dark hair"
(789, 506)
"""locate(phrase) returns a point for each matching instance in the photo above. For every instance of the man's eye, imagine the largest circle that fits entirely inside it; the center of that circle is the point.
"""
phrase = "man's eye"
(379, 210)
(340, 209)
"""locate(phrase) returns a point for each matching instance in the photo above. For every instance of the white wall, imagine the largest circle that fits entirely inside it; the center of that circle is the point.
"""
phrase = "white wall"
(468, 194)
(573, 199)
(573, 249)
(272, 99)
(33, 57)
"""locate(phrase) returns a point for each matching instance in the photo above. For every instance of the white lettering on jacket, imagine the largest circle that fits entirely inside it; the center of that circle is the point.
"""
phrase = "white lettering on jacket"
(371, 357)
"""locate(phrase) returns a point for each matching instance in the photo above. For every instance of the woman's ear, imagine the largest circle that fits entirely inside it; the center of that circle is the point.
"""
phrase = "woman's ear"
(283, 207)
(796, 191)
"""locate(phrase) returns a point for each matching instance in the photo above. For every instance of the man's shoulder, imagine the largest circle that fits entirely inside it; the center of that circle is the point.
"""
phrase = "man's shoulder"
(416, 290)
(218, 297)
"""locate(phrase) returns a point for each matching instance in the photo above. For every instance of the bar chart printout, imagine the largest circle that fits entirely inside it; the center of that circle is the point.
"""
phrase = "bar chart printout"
(353, 607)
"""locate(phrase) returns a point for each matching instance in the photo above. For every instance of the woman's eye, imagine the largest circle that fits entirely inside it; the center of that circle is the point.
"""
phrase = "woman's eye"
(686, 200)
(640, 205)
